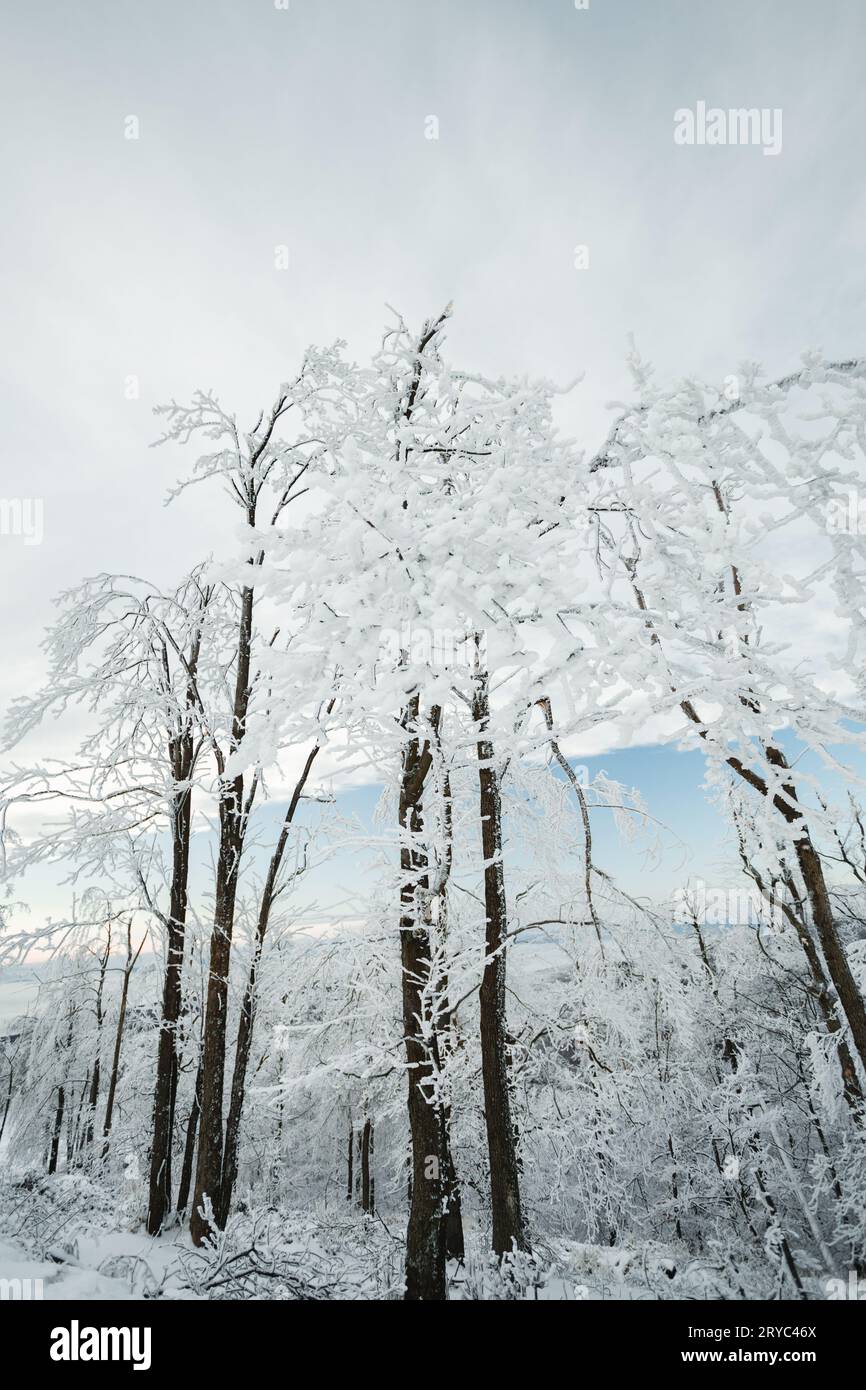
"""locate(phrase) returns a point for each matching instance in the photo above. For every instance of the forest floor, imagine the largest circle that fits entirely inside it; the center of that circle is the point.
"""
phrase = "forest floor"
(84, 1243)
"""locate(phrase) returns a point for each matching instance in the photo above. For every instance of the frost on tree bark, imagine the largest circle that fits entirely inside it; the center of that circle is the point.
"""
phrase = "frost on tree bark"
(850, 998)
(54, 1148)
(239, 1073)
(10, 1082)
(508, 1229)
(246, 1021)
(232, 820)
(208, 1176)
(189, 1145)
(248, 468)
(128, 968)
(181, 753)
(785, 801)
(248, 477)
(814, 881)
(58, 1126)
(825, 996)
(93, 1096)
(433, 1196)
(454, 1242)
(367, 1181)
(425, 1234)
(812, 873)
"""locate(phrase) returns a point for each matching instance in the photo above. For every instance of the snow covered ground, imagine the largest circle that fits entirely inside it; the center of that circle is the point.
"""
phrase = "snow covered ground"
(58, 1280)
(64, 1231)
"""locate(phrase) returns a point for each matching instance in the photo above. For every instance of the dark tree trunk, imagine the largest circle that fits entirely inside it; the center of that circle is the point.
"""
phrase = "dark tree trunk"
(54, 1151)
(92, 1101)
(366, 1172)
(8, 1101)
(209, 1167)
(850, 998)
(238, 1088)
(189, 1146)
(95, 1078)
(118, 1040)
(350, 1166)
(425, 1235)
(248, 1005)
(165, 1093)
(247, 481)
(58, 1126)
(850, 1084)
(77, 1134)
(208, 1176)
(454, 1242)
(508, 1227)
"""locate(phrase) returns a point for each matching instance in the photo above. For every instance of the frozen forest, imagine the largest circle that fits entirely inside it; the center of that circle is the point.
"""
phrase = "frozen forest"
(433, 694)
(501, 1073)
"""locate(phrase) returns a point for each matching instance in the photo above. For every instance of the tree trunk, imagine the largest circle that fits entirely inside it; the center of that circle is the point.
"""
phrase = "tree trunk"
(366, 1173)
(811, 868)
(118, 1040)
(454, 1242)
(92, 1101)
(8, 1101)
(232, 816)
(808, 860)
(248, 1005)
(850, 998)
(222, 1206)
(189, 1146)
(823, 990)
(95, 1078)
(812, 873)
(425, 1234)
(58, 1125)
(208, 1175)
(508, 1228)
(54, 1152)
(165, 1092)
(77, 1135)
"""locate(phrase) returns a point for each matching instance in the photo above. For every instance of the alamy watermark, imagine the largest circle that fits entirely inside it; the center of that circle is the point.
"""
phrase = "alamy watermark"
(846, 515)
(727, 906)
(712, 125)
(77, 1343)
(24, 517)
(21, 1290)
(853, 1288)
(444, 647)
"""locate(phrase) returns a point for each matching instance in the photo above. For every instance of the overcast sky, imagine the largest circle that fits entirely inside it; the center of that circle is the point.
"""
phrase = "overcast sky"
(260, 127)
